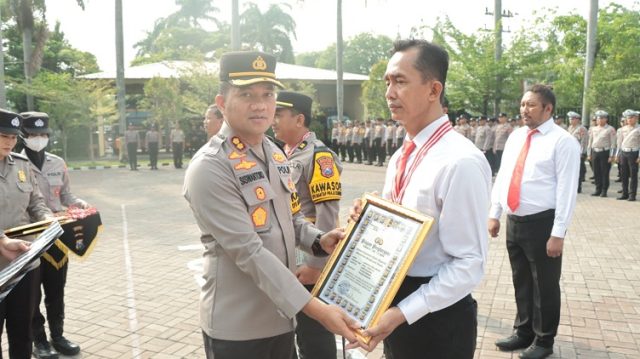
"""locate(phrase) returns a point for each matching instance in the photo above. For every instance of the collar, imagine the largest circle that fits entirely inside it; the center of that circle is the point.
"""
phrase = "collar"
(545, 127)
(426, 132)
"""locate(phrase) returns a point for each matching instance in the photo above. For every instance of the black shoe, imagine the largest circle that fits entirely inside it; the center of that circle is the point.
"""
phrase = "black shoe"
(624, 196)
(579, 189)
(368, 163)
(43, 350)
(604, 194)
(536, 352)
(596, 194)
(619, 191)
(592, 177)
(512, 343)
(632, 199)
(65, 347)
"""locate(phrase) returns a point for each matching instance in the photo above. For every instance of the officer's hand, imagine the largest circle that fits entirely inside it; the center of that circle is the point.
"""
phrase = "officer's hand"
(494, 227)
(390, 320)
(332, 318)
(354, 211)
(11, 248)
(330, 240)
(588, 158)
(308, 275)
(81, 204)
(610, 160)
(554, 246)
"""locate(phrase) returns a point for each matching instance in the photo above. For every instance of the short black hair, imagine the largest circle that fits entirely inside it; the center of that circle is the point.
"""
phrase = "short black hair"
(432, 60)
(216, 111)
(546, 94)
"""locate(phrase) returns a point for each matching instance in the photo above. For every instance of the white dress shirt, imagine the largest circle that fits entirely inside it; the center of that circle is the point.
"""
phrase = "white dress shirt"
(452, 184)
(550, 177)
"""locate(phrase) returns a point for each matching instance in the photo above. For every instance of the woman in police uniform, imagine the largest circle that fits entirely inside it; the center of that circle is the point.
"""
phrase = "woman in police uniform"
(21, 203)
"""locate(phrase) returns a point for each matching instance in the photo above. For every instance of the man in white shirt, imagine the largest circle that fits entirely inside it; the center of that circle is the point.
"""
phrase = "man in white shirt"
(536, 186)
(445, 176)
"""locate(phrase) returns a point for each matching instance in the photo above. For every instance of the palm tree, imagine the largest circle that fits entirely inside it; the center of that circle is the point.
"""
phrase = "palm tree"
(23, 12)
(269, 31)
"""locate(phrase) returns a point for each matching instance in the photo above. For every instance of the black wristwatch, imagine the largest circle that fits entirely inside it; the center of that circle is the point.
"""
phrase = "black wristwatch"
(316, 248)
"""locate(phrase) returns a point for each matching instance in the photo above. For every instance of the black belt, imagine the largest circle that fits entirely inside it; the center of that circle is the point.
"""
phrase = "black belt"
(417, 281)
(533, 217)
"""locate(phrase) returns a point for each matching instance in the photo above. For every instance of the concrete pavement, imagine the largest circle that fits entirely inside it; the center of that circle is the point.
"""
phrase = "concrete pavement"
(136, 296)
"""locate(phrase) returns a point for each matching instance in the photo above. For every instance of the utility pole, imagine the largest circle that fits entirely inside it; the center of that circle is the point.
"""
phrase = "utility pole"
(3, 95)
(498, 14)
(122, 107)
(235, 26)
(592, 30)
(339, 70)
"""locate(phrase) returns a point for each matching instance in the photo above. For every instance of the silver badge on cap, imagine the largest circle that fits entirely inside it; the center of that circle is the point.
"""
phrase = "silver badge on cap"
(15, 122)
(39, 123)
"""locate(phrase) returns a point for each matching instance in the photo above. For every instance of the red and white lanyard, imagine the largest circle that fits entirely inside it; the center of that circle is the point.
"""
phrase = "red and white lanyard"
(289, 150)
(398, 195)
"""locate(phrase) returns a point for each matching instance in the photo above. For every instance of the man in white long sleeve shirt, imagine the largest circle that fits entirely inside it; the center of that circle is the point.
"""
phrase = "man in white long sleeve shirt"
(441, 173)
(536, 186)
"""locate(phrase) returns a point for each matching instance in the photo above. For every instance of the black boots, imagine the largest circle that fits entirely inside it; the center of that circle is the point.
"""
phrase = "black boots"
(63, 346)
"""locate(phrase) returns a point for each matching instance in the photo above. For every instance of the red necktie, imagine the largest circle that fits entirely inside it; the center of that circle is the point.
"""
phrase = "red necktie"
(407, 148)
(513, 198)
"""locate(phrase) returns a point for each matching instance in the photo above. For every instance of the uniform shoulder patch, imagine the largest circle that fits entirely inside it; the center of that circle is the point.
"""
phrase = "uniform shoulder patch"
(325, 182)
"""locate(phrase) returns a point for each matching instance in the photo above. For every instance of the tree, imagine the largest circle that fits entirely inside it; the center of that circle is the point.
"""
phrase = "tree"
(360, 53)
(374, 91)
(162, 98)
(269, 31)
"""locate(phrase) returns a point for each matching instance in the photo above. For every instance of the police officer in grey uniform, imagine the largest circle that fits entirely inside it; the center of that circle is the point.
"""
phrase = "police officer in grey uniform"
(240, 190)
(581, 134)
(53, 180)
(601, 149)
(315, 170)
(21, 204)
(628, 147)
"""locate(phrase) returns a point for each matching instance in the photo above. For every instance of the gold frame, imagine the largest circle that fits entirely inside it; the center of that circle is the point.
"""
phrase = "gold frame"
(405, 261)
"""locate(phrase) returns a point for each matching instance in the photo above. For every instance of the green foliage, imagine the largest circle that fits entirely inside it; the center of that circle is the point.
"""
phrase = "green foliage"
(373, 92)
(360, 53)
(162, 98)
(269, 31)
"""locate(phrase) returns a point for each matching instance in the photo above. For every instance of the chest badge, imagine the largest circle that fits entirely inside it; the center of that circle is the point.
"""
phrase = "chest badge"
(21, 176)
(279, 157)
(245, 165)
(235, 155)
(237, 143)
(260, 195)
(259, 217)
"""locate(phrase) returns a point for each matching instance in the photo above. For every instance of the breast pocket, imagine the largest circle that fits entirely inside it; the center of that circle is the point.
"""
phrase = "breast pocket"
(257, 196)
(22, 195)
(55, 185)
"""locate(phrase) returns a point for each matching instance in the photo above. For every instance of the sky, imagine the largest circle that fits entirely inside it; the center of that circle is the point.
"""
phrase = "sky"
(93, 29)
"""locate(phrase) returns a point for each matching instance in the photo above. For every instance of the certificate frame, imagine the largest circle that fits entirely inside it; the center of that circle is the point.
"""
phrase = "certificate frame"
(359, 255)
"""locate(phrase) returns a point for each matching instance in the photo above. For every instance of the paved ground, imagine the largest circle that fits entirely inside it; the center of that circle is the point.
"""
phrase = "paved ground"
(136, 295)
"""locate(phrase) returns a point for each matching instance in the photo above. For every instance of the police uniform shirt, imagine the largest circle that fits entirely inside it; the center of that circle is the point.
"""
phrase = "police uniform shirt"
(242, 205)
(452, 184)
(580, 133)
(502, 133)
(152, 136)
(20, 198)
(400, 132)
(53, 181)
(491, 138)
(131, 136)
(334, 134)
(481, 136)
(602, 138)
(347, 134)
(356, 136)
(629, 139)
(316, 170)
(378, 131)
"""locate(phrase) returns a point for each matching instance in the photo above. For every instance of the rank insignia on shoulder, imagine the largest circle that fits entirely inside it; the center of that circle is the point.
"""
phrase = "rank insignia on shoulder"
(237, 143)
(245, 165)
(260, 195)
(302, 145)
(21, 176)
(259, 217)
(235, 155)
(279, 157)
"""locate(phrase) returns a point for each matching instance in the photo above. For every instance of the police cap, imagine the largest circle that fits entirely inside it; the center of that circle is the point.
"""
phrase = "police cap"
(630, 113)
(244, 68)
(299, 102)
(572, 114)
(10, 122)
(601, 113)
(35, 123)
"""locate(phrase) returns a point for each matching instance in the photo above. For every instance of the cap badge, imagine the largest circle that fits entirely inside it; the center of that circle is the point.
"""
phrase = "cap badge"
(39, 123)
(259, 64)
(15, 122)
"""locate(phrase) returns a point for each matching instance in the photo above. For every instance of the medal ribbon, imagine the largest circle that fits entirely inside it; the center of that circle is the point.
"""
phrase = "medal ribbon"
(399, 188)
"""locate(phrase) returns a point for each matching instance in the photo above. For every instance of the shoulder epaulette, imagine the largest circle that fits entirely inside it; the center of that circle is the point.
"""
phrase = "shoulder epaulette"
(19, 156)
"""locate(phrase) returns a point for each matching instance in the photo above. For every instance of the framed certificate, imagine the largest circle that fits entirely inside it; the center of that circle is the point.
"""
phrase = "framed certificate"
(367, 268)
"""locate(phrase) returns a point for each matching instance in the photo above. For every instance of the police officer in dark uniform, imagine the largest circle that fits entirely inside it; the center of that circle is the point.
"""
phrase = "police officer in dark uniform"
(21, 204)
(51, 174)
